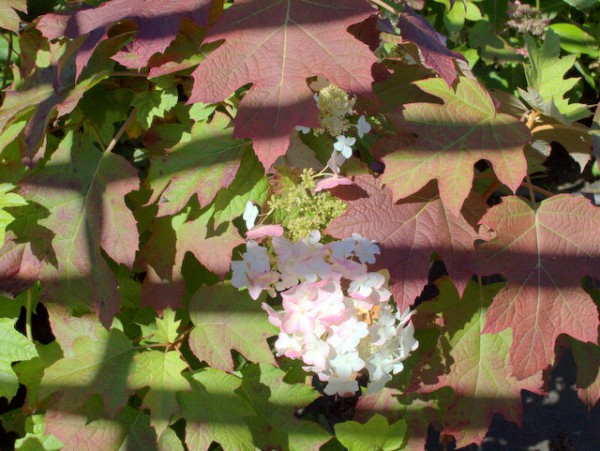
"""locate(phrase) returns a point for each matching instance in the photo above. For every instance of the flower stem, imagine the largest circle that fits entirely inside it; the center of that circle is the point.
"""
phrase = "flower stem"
(28, 309)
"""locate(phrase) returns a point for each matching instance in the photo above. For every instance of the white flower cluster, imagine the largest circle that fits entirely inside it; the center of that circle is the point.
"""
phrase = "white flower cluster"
(337, 316)
(334, 106)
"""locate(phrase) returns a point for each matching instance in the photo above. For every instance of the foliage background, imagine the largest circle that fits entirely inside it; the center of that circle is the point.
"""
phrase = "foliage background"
(125, 162)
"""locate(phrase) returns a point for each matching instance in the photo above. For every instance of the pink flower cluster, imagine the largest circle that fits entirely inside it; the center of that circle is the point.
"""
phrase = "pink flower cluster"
(337, 316)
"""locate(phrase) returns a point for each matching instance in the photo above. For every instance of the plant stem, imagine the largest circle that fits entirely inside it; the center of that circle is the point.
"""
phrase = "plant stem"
(115, 140)
(28, 310)
(97, 134)
(533, 187)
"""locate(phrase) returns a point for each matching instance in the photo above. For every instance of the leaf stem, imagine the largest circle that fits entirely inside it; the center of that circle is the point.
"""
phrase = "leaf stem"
(537, 189)
(28, 310)
(570, 128)
(531, 119)
(8, 58)
(490, 190)
(97, 134)
(115, 140)
(385, 6)
(530, 188)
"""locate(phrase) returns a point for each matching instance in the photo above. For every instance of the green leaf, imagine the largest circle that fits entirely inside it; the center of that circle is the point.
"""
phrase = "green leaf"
(201, 165)
(161, 372)
(376, 434)
(166, 327)
(169, 441)
(15, 347)
(31, 371)
(8, 200)
(226, 319)
(273, 424)
(154, 103)
(97, 366)
(214, 412)
(35, 438)
(575, 39)
(545, 74)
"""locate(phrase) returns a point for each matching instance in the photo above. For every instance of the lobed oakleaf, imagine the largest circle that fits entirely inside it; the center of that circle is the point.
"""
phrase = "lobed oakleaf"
(161, 372)
(82, 190)
(201, 165)
(451, 138)
(166, 327)
(545, 76)
(273, 402)
(475, 366)
(224, 319)
(276, 45)
(96, 367)
(15, 346)
(214, 412)
(544, 253)
(408, 233)
(157, 24)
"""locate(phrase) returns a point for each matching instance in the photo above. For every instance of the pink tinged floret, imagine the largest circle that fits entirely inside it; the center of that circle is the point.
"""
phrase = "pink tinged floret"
(335, 161)
(303, 260)
(274, 316)
(348, 269)
(288, 345)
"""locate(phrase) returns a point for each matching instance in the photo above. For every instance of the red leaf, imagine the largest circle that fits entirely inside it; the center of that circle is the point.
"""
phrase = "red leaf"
(436, 55)
(407, 233)
(544, 253)
(277, 45)
(158, 22)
